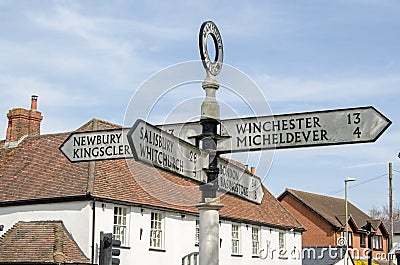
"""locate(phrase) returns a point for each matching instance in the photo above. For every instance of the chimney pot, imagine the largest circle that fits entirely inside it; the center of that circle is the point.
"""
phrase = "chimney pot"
(34, 102)
(253, 170)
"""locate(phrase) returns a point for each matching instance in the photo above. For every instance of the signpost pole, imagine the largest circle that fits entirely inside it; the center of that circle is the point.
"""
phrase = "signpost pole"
(209, 206)
(210, 116)
(209, 121)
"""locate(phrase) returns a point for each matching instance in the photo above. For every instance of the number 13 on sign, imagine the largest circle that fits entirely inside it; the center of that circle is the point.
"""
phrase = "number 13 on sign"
(355, 118)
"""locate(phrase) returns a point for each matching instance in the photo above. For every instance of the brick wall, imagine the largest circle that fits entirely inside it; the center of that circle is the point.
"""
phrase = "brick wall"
(385, 243)
(319, 232)
(23, 122)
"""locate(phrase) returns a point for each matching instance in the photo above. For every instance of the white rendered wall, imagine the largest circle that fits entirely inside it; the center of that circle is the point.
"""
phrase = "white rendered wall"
(179, 239)
(179, 233)
(269, 242)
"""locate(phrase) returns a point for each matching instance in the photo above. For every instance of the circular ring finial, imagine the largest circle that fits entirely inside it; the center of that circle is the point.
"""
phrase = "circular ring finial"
(209, 28)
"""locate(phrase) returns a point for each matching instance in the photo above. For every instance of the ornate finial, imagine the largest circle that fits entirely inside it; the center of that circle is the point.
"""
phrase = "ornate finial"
(212, 67)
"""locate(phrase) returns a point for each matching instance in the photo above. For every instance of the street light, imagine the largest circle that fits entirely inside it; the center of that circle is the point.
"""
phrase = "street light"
(347, 218)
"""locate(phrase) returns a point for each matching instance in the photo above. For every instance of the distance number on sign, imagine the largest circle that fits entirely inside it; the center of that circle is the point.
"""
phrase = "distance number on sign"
(354, 118)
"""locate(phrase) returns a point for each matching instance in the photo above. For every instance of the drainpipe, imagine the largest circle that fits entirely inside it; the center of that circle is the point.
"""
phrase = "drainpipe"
(93, 228)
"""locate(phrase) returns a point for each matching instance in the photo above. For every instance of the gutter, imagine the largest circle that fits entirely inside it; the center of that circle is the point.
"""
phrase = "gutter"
(46, 200)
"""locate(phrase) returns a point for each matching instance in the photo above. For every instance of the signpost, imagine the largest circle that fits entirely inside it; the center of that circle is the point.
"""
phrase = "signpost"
(331, 127)
(318, 128)
(96, 145)
(236, 180)
(156, 147)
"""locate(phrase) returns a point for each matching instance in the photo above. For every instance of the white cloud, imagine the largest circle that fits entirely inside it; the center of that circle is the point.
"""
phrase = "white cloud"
(16, 92)
(95, 31)
(17, 89)
(292, 89)
(104, 32)
(99, 47)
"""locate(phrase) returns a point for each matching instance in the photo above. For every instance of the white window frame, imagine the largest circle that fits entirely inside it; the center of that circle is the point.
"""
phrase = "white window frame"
(157, 230)
(120, 224)
(197, 233)
(255, 240)
(282, 245)
(235, 239)
(343, 235)
(377, 242)
(282, 241)
(363, 240)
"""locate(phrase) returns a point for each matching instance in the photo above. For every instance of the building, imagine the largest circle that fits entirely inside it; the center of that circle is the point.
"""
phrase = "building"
(395, 250)
(150, 210)
(323, 217)
(396, 230)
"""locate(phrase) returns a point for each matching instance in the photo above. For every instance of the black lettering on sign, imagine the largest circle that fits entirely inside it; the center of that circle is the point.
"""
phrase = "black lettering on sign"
(193, 157)
(354, 118)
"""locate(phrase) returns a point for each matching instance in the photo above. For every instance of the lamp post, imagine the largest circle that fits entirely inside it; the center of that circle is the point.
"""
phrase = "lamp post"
(347, 218)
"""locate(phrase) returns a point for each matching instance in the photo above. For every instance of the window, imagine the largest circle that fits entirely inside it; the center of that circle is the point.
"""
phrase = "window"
(350, 239)
(255, 239)
(343, 235)
(282, 244)
(377, 243)
(235, 239)
(197, 234)
(156, 230)
(362, 240)
(119, 230)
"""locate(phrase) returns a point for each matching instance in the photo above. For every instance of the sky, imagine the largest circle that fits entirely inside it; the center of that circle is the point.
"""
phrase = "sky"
(87, 59)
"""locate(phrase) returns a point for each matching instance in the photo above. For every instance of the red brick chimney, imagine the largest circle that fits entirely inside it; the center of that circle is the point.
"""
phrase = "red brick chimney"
(23, 122)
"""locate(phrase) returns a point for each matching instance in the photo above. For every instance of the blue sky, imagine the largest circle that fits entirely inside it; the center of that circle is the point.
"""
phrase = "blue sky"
(86, 59)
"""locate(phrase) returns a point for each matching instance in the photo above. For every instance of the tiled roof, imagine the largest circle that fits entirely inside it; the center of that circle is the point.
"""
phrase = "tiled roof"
(396, 226)
(97, 124)
(37, 170)
(40, 242)
(331, 209)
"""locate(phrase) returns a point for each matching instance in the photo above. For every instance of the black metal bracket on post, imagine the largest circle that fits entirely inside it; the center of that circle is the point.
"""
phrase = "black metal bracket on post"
(209, 140)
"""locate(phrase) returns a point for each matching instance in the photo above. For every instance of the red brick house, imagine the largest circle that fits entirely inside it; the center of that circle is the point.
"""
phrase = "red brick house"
(323, 217)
